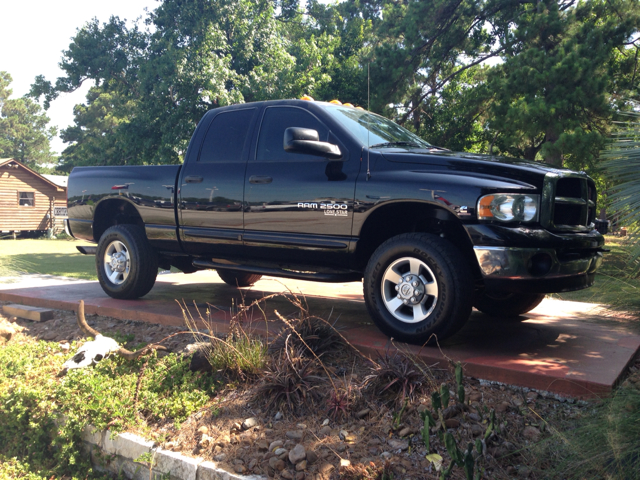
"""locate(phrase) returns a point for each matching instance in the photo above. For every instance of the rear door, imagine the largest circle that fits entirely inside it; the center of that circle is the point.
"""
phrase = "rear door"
(211, 188)
(299, 206)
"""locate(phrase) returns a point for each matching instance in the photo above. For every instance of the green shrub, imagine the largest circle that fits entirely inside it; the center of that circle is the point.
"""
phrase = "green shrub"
(33, 401)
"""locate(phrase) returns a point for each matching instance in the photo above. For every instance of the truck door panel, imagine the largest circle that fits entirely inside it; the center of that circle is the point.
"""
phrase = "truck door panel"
(211, 188)
(301, 199)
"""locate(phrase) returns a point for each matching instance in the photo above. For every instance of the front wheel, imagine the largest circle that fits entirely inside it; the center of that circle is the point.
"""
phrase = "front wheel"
(507, 304)
(126, 264)
(417, 286)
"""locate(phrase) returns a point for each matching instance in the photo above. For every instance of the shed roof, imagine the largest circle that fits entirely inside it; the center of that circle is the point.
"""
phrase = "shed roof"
(10, 162)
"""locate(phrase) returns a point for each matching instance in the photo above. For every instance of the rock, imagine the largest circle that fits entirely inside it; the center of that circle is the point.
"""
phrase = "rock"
(262, 445)
(340, 448)
(518, 402)
(65, 347)
(523, 472)
(6, 332)
(239, 468)
(287, 474)
(51, 335)
(351, 438)
(312, 457)
(344, 462)
(343, 434)
(326, 468)
(532, 396)
(531, 433)
(476, 430)
(300, 476)
(249, 423)
(301, 426)
(203, 430)
(252, 463)
(297, 454)
(475, 417)
(277, 464)
(278, 416)
(386, 455)
(200, 362)
(405, 431)
(374, 441)
(451, 411)
(363, 413)
(302, 465)
(502, 407)
(237, 426)
(206, 441)
(326, 430)
(295, 434)
(398, 444)
(276, 444)
(451, 423)
(475, 397)
(220, 457)
(280, 451)
(325, 422)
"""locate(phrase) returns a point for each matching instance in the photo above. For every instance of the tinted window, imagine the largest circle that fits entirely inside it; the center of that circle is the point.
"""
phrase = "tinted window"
(226, 137)
(274, 122)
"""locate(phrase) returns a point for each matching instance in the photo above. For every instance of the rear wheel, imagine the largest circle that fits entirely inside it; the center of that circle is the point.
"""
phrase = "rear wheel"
(417, 286)
(507, 304)
(238, 279)
(126, 264)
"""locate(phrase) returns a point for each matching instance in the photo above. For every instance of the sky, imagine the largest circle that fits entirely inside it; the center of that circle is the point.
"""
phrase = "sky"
(33, 34)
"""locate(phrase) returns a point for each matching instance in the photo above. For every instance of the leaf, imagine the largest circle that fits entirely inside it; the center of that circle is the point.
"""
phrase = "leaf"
(436, 460)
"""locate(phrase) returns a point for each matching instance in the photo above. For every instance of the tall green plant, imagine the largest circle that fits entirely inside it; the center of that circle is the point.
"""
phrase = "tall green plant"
(622, 166)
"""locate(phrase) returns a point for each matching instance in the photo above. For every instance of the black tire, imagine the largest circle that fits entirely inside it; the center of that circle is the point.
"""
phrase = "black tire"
(140, 270)
(442, 270)
(507, 305)
(238, 279)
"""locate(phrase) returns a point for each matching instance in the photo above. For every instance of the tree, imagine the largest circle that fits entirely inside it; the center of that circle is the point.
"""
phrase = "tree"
(24, 134)
(554, 95)
(153, 86)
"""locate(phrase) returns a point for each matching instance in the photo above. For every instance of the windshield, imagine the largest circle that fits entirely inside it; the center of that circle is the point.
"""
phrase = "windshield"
(374, 130)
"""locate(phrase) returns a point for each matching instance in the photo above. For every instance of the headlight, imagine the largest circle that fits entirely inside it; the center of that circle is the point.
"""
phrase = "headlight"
(508, 207)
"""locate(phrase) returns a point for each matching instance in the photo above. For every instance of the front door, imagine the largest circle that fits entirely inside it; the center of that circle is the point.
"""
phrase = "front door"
(299, 207)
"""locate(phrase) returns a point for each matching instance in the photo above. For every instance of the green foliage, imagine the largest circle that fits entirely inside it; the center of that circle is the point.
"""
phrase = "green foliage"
(24, 135)
(444, 395)
(428, 422)
(42, 416)
(240, 355)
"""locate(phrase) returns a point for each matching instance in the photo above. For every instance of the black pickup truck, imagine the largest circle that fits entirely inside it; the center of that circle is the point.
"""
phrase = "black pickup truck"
(332, 193)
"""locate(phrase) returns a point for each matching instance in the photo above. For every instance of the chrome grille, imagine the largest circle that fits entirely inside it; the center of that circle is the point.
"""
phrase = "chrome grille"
(568, 202)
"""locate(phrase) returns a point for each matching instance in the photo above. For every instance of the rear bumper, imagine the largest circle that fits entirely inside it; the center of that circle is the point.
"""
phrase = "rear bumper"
(536, 270)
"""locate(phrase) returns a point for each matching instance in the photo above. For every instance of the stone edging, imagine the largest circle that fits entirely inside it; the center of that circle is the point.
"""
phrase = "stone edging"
(118, 454)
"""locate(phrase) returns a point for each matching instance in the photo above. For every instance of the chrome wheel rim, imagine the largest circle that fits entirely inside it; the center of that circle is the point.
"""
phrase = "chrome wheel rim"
(409, 290)
(117, 264)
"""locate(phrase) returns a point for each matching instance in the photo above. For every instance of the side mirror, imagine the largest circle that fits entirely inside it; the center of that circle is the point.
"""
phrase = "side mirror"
(305, 140)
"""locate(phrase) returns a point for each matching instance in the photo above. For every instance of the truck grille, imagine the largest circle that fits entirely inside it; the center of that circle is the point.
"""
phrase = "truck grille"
(568, 202)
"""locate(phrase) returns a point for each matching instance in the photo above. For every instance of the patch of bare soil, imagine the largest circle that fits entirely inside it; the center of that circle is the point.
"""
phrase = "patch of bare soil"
(354, 428)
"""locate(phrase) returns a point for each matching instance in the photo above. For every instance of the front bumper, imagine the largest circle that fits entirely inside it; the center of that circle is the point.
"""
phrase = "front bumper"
(536, 270)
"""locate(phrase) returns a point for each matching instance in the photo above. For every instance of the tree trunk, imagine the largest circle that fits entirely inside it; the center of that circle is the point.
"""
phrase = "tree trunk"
(552, 156)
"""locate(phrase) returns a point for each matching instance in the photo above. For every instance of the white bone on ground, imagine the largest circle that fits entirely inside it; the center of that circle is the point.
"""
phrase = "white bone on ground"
(100, 346)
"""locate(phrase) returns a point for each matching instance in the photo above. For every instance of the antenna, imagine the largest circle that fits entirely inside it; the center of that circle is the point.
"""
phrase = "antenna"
(368, 110)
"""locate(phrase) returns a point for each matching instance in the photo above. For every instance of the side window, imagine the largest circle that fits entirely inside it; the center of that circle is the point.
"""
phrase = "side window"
(274, 122)
(226, 137)
(25, 199)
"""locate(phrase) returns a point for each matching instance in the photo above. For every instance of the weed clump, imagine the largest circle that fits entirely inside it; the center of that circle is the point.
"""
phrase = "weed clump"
(396, 377)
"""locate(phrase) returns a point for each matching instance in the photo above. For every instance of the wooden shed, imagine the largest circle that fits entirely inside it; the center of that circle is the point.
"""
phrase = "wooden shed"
(29, 202)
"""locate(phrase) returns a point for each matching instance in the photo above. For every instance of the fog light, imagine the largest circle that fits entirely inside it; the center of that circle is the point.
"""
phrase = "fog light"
(540, 264)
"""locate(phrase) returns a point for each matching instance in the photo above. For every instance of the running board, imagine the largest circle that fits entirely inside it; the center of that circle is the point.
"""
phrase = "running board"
(87, 250)
(278, 272)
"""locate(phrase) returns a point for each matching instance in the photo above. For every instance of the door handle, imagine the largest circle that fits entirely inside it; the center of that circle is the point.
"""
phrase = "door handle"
(193, 179)
(260, 179)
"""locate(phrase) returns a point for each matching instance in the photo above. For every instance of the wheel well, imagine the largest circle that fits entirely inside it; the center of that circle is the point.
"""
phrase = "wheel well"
(408, 217)
(114, 212)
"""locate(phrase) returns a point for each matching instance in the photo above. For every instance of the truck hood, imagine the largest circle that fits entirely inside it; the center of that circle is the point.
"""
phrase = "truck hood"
(473, 162)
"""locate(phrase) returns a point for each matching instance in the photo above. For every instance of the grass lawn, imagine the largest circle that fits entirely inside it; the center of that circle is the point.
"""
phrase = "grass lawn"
(51, 257)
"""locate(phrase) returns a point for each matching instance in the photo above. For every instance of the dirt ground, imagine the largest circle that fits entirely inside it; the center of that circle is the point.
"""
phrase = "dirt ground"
(368, 434)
